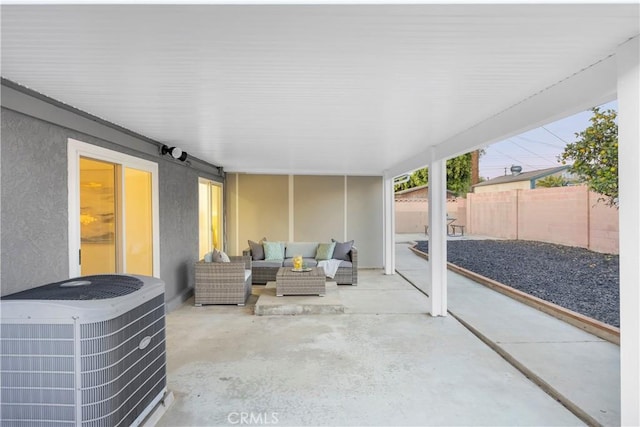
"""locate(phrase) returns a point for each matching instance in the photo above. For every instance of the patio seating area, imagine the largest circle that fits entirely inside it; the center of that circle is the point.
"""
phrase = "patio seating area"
(385, 361)
(222, 282)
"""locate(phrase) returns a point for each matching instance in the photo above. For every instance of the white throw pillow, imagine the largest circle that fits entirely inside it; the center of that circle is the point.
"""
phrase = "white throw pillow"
(219, 256)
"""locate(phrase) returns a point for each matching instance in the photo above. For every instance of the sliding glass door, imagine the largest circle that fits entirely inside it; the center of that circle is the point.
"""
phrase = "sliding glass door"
(113, 215)
(99, 231)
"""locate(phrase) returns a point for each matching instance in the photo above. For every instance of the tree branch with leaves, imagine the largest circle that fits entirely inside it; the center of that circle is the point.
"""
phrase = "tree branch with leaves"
(458, 175)
(595, 155)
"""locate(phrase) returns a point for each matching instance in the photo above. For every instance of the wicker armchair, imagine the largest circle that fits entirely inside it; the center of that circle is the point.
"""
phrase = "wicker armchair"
(223, 282)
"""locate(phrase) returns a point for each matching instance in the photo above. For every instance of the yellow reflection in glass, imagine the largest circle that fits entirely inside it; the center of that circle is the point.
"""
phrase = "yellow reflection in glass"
(138, 222)
(98, 204)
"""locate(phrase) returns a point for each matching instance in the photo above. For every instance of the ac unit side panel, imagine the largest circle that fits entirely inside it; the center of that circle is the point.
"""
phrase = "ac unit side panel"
(123, 364)
(37, 374)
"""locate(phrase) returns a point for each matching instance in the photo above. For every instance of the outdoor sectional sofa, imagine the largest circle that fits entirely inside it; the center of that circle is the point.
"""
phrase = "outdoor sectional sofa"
(265, 270)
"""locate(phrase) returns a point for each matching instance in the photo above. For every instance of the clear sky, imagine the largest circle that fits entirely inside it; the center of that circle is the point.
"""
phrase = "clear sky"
(536, 149)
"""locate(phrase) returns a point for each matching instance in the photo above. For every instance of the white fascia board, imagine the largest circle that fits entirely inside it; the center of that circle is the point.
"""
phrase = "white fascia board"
(585, 89)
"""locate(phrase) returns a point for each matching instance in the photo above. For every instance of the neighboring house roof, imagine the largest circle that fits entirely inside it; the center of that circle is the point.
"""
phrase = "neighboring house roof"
(412, 189)
(420, 188)
(524, 176)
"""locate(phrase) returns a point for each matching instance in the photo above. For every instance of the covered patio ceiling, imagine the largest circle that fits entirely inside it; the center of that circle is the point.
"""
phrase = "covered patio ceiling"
(317, 89)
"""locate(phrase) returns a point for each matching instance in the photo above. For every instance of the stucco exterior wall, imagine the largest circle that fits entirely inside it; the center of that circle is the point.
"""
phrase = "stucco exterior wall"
(34, 232)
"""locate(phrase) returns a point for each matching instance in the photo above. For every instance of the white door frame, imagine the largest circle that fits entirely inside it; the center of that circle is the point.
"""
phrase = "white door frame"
(76, 149)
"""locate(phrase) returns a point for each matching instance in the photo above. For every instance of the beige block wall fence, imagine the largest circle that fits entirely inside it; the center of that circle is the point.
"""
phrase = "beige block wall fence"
(306, 208)
(569, 216)
(507, 186)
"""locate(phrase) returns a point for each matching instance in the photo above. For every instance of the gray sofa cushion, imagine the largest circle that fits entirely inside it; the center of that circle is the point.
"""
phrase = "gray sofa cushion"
(304, 249)
(309, 262)
(346, 264)
(267, 263)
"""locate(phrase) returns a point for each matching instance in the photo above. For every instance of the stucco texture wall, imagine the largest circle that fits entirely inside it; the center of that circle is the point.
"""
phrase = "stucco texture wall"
(34, 233)
(34, 236)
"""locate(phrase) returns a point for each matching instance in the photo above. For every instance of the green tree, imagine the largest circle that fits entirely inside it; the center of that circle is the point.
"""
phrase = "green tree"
(458, 176)
(552, 181)
(595, 155)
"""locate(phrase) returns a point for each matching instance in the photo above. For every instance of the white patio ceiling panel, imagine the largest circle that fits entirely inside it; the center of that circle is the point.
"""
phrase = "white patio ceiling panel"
(311, 89)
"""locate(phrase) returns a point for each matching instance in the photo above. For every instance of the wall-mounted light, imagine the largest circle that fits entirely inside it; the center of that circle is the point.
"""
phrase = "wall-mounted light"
(175, 152)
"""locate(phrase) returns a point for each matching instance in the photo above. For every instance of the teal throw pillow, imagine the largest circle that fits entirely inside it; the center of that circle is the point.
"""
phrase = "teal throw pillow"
(273, 251)
(325, 251)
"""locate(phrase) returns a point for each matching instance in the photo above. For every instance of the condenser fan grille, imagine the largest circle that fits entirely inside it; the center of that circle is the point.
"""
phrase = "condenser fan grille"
(97, 287)
(83, 363)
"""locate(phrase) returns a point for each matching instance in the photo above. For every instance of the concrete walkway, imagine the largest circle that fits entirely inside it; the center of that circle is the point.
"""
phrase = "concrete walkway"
(583, 369)
(383, 362)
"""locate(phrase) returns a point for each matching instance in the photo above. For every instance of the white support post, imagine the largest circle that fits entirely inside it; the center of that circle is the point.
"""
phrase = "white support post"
(628, 62)
(438, 238)
(389, 226)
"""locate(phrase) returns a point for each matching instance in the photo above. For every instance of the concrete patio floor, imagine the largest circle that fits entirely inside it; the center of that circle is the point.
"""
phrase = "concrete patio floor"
(578, 367)
(383, 362)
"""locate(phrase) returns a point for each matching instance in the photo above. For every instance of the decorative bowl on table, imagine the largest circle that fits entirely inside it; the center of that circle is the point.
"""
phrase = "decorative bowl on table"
(299, 264)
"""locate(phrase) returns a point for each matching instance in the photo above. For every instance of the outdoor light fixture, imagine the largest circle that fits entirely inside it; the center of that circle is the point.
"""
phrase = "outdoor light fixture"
(175, 152)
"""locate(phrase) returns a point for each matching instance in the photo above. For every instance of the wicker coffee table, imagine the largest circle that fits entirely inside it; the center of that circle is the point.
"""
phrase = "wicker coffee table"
(310, 282)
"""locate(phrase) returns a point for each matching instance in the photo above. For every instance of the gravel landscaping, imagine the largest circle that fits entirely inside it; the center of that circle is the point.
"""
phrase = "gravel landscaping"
(578, 279)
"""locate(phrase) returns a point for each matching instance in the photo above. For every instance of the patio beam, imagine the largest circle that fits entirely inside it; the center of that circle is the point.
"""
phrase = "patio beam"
(389, 226)
(587, 88)
(437, 238)
(628, 60)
